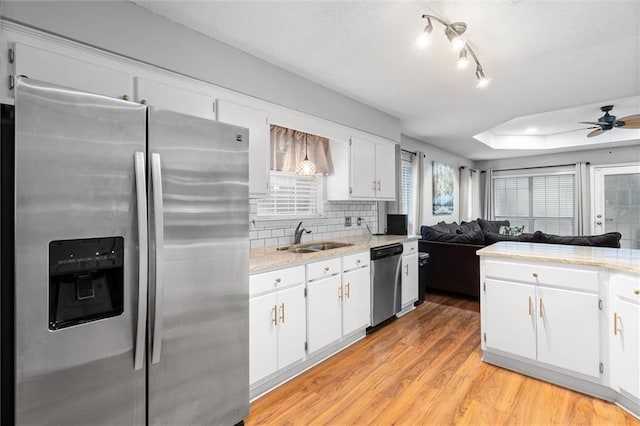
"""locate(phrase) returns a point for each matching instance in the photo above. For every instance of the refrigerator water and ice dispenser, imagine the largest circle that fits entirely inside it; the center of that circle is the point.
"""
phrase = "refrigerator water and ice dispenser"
(86, 280)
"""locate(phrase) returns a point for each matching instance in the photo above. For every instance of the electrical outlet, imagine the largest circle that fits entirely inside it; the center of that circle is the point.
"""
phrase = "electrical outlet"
(347, 221)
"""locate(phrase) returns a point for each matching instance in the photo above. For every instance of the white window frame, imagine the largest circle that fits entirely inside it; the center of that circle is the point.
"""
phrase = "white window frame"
(280, 213)
(530, 174)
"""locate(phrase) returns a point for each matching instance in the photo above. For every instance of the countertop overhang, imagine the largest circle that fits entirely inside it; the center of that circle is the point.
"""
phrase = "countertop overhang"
(623, 260)
(270, 258)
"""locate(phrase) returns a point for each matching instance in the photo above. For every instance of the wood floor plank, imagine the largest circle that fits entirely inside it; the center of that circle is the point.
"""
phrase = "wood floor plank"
(425, 368)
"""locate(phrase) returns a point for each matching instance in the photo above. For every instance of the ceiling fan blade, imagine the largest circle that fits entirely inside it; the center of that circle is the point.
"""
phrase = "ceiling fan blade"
(595, 133)
(575, 130)
(630, 121)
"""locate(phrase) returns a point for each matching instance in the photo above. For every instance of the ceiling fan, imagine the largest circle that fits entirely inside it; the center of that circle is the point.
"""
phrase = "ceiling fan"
(608, 122)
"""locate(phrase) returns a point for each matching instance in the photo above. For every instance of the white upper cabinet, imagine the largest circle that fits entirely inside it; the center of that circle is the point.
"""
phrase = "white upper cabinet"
(363, 170)
(178, 98)
(87, 73)
(259, 142)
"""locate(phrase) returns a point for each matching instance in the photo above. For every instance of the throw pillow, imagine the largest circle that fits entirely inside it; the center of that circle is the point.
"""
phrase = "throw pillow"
(504, 230)
(431, 234)
(469, 227)
(492, 225)
(610, 239)
(491, 238)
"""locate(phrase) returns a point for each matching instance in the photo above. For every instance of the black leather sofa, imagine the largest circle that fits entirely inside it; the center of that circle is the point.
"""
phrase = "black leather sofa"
(453, 264)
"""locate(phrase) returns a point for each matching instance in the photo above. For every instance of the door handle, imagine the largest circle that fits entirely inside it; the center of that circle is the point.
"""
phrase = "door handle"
(598, 223)
(141, 199)
(156, 182)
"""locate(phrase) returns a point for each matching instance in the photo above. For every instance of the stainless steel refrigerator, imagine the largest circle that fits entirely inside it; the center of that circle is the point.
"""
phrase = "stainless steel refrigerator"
(131, 263)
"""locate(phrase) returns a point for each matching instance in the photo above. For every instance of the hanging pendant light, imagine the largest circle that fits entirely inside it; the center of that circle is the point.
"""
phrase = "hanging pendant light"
(306, 167)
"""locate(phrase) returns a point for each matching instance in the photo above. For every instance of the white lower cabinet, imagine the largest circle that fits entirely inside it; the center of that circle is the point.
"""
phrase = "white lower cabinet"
(625, 331)
(324, 300)
(277, 321)
(356, 301)
(510, 324)
(526, 315)
(409, 280)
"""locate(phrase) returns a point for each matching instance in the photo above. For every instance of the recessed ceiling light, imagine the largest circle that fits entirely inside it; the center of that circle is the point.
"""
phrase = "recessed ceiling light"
(531, 130)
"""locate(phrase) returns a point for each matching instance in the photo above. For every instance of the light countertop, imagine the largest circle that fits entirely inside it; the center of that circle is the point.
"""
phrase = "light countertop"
(269, 258)
(623, 260)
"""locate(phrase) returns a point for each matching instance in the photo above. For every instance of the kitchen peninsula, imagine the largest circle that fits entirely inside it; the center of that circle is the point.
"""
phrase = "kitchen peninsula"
(568, 315)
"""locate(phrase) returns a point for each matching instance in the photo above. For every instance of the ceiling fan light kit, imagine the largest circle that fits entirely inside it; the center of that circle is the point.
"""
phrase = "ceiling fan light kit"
(608, 122)
(454, 33)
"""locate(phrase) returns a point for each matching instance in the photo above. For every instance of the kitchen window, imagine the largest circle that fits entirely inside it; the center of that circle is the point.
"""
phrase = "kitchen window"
(291, 195)
(539, 199)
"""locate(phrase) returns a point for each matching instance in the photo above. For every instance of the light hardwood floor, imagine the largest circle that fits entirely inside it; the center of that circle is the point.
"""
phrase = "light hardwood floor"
(425, 369)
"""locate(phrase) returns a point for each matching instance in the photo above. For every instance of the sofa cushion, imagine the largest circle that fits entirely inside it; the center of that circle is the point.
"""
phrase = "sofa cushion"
(469, 227)
(610, 239)
(491, 238)
(431, 234)
(492, 225)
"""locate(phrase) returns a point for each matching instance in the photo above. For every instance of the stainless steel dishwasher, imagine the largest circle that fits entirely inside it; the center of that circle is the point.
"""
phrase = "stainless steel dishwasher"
(385, 282)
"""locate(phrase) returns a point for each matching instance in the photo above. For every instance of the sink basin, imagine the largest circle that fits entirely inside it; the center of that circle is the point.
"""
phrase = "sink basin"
(315, 247)
(302, 250)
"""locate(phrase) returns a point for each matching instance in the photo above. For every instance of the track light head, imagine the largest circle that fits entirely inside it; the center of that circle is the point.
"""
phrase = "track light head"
(483, 81)
(454, 34)
(423, 38)
(463, 61)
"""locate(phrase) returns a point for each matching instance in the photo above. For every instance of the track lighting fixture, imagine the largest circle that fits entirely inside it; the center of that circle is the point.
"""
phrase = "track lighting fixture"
(454, 32)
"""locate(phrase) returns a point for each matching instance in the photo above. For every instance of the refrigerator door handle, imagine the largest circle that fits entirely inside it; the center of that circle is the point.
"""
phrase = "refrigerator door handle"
(141, 198)
(156, 181)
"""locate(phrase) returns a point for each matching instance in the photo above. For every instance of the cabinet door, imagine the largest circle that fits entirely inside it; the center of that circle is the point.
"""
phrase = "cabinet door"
(362, 165)
(292, 330)
(356, 305)
(386, 171)
(259, 142)
(83, 72)
(409, 279)
(324, 301)
(568, 330)
(190, 101)
(263, 349)
(626, 346)
(510, 324)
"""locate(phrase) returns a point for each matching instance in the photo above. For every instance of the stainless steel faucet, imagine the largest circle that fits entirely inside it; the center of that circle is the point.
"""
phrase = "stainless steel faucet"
(298, 234)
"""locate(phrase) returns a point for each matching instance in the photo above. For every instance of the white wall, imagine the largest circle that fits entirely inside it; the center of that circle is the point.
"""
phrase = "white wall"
(433, 153)
(624, 154)
(132, 31)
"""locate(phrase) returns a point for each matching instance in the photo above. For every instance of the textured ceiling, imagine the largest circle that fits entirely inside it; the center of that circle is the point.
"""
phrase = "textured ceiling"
(541, 56)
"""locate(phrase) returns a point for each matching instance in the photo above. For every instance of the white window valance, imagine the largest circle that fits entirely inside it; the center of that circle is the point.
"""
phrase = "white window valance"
(288, 149)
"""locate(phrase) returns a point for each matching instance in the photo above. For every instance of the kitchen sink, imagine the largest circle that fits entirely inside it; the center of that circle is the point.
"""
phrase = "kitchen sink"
(314, 247)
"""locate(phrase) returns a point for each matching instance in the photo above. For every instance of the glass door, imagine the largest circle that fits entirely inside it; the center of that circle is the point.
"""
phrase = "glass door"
(616, 203)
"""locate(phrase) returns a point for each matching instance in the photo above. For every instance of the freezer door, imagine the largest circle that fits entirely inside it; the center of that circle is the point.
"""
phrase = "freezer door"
(74, 180)
(199, 289)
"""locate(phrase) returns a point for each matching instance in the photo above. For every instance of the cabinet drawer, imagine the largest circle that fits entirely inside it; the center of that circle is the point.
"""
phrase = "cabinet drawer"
(355, 261)
(324, 268)
(275, 280)
(568, 277)
(626, 287)
(410, 248)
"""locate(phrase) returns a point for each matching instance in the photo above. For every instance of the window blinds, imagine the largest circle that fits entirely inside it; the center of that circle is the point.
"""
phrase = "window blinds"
(292, 195)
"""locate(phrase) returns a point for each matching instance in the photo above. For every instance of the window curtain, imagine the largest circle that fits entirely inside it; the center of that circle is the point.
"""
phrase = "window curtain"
(466, 193)
(395, 207)
(476, 210)
(419, 188)
(288, 149)
(488, 205)
(581, 205)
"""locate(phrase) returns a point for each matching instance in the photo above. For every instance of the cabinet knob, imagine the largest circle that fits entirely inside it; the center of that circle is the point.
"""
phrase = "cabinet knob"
(125, 97)
(326, 269)
(143, 101)
(358, 261)
(275, 284)
(535, 275)
(636, 291)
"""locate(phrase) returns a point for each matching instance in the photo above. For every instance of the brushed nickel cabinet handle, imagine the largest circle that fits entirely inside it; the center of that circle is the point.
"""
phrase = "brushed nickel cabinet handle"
(374, 185)
(541, 312)
(348, 293)
(530, 306)
(282, 313)
(615, 323)
(379, 186)
(340, 292)
(274, 315)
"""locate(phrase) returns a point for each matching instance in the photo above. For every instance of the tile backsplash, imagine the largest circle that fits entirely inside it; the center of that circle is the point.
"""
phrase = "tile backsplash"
(333, 226)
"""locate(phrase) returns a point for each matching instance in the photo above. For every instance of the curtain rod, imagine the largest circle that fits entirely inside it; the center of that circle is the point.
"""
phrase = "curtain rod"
(537, 167)
(464, 167)
(408, 152)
